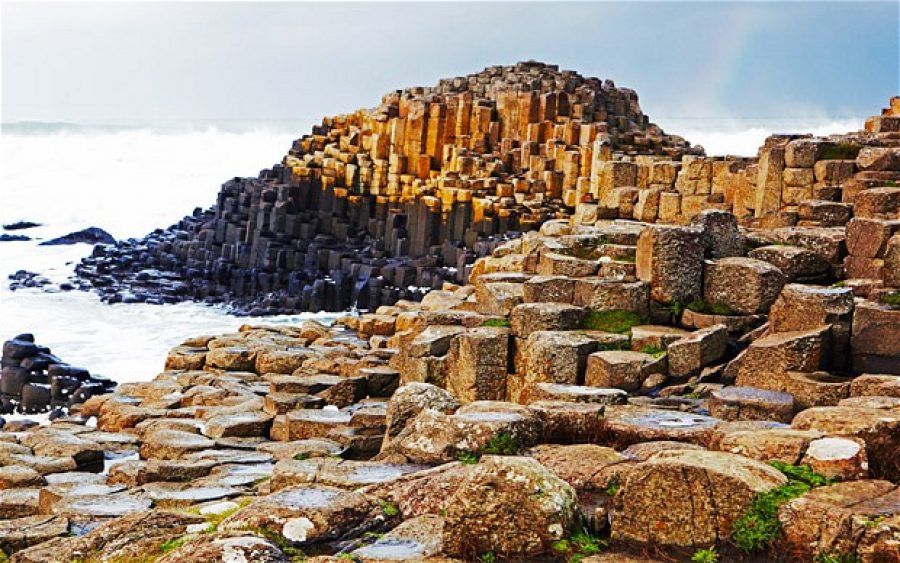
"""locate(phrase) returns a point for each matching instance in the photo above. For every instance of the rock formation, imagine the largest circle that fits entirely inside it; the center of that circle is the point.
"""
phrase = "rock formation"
(385, 203)
(718, 382)
(33, 380)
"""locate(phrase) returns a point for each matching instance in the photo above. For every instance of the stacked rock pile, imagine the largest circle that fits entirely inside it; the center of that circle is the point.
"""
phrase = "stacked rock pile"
(33, 380)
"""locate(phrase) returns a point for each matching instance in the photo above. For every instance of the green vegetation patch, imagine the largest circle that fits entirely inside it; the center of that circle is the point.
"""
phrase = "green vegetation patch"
(467, 457)
(892, 299)
(653, 351)
(496, 322)
(707, 308)
(708, 555)
(759, 526)
(280, 541)
(388, 508)
(502, 444)
(613, 487)
(841, 151)
(617, 321)
(172, 544)
(579, 545)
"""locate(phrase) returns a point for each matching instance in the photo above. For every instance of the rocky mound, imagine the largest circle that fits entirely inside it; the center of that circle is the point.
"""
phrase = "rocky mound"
(386, 203)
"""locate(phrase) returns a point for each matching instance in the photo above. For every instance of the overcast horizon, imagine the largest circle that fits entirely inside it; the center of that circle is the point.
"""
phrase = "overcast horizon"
(689, 62)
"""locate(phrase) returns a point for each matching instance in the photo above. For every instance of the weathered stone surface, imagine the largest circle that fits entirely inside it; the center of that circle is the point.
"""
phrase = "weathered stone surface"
(773, 444)
(19, 533)
(556, 357)
(200, 549)
(721, 236)
(415, 539)
(624, 426)
(433, 437)
(705, 493)
(602, 294)
(621, 369)
(875, 384)
(744, 285)
(843, 518)
(531, 317)
(576, 394)
(498, 298)
(879, 429)
(173, 444)
(512, 506)
(122, 539)
(794, 262)
(838, 458)
(477, 364)
(768, 359)
(238, 425)
(750, 403)
(549, 289)
(876, 338)
(410, 400)
(816, 389)
(434, 340)
(670, 259)
(302, 514)
(564, 422)
(655, 336)
(688, 355)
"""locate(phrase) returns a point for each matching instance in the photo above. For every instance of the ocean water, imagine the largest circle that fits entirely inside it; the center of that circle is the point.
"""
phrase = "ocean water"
(130, 180)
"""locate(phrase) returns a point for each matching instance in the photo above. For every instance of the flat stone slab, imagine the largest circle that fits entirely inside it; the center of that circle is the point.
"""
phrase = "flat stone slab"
(577, 394)
(750, 403)
(344, 474)
(19, 533)
(624, 426)
(105, 506)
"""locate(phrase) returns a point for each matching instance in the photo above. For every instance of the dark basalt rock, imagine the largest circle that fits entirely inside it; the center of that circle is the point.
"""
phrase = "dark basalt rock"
(19, 225)
(33, 380)
(91, 235)
(13, 238)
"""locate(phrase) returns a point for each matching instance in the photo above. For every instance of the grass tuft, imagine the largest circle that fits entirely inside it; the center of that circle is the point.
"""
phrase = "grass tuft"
(388, 508)
(653, 351)
(617, 321)
(467, 458)
(708, 555)
(707, 308)
(496, 322)
(501, 444)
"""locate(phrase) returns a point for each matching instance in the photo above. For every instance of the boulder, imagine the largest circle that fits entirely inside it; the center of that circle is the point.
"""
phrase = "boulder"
(744, 285)
(556, 357)
(531, 317)
(670, 259)
(621, 369)
(838, 458)
(410, 400)
(875, 339)
(690, 354)
(302, 514)
(857, 517)
(549, 289)
(767, 360)
(705, 493)
(773, 444)
(433, 437)
(624, 426)
(795, 263)
(477, 364)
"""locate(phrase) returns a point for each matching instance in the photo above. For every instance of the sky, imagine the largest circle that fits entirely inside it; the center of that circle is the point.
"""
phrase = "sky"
(691, 63)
